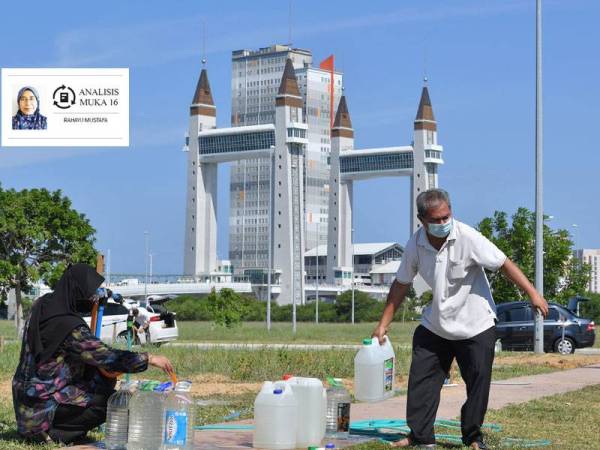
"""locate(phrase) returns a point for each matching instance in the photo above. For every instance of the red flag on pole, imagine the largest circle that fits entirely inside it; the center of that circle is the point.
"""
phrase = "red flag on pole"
(327, 64)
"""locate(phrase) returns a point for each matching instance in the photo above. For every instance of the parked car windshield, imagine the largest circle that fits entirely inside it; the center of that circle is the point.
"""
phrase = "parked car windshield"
(516, 313)
(113, 309)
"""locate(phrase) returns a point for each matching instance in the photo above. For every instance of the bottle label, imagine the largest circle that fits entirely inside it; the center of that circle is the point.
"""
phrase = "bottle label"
(388, 375)
(343, 417)
(175, 427)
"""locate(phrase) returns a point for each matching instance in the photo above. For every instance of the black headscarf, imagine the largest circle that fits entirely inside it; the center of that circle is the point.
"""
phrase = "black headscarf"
(54, 315)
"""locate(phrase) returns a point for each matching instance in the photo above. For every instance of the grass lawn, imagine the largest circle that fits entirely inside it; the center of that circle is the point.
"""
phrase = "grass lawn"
(306, 332)
(256, 332)
(7, 329)
(237, 367)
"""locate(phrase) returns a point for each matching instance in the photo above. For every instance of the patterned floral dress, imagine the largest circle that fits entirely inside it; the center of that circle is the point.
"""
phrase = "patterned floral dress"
(69, 377)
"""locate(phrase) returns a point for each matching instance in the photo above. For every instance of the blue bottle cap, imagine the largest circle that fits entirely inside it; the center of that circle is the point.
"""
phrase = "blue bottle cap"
(330, 445)
(278, 391)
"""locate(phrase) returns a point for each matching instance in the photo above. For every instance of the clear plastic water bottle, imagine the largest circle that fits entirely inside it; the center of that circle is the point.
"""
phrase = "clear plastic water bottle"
(337, 423)
(179, 418)
(145, 418)
(117, 417)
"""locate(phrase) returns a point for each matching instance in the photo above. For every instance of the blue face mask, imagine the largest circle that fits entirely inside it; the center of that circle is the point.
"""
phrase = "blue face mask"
(440, 230)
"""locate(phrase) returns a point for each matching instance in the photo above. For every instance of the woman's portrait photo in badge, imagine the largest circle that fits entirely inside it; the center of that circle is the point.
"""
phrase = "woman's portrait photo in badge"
(28, 116)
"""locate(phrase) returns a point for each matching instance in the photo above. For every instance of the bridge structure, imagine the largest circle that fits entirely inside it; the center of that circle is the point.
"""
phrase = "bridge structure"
(326, 291)
(419, 161)
(284, 143)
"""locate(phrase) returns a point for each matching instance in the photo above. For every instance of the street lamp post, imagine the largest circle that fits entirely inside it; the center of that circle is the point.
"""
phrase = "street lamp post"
(146, 246)
(352, 246)
(317, 286)
(539, 209)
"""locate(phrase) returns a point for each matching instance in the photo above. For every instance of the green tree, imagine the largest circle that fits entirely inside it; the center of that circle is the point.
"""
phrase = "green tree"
(366, 308)
(40, 233)
(591, 309)
(226, 307)
(517, 241)
(576, 280)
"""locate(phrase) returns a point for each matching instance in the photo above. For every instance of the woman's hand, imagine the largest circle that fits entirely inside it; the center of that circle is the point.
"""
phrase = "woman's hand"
(161, 362)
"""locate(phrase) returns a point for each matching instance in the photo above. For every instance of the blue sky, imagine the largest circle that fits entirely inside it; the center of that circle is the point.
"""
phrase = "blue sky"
(479, 56)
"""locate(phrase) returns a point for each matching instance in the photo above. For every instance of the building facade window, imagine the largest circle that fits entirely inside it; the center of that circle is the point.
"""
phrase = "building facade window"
(374, 163)
(238, 142)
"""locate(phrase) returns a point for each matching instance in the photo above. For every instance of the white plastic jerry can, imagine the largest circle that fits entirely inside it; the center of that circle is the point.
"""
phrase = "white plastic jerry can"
(374, 371)
(275, 417)
(311, 399)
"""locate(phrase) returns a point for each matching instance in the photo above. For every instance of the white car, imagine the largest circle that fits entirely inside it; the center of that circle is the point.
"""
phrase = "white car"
(163, 326)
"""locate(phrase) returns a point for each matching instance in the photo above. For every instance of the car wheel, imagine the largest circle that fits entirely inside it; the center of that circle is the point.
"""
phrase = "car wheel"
(564, 346)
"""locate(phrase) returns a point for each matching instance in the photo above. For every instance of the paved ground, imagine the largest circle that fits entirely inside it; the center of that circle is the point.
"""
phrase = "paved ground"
(514, 390)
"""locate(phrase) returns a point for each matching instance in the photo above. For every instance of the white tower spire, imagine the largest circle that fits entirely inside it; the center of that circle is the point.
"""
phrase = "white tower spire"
(200, 248)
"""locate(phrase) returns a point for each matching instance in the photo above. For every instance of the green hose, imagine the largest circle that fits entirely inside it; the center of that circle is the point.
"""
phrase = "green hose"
(400, 430)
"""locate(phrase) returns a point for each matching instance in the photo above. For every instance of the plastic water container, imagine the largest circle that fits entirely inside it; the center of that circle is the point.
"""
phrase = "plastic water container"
(338, 409)
(275, 417)
(311, 410)
(146, 418)
(117, 417)
(374, 371)
(179, 418)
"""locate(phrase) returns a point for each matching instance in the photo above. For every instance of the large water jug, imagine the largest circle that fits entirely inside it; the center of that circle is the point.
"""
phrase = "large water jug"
(275, 417)
(179, 418)
(338, 409)
(374, 371)
(145, 418)
(117, 417)
(311, 410)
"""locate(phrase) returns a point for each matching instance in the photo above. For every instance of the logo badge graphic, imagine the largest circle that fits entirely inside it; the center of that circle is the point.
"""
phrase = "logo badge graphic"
(64, 97)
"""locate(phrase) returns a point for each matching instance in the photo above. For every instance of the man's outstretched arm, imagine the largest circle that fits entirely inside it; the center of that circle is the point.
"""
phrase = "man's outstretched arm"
(395, 298)
(514, 274)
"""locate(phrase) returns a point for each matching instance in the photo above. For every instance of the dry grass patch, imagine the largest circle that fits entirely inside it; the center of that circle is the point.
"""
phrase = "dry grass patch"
(551, 360)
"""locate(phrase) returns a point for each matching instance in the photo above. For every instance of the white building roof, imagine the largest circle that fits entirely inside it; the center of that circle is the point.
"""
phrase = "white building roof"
(390, 267)
(359, 249)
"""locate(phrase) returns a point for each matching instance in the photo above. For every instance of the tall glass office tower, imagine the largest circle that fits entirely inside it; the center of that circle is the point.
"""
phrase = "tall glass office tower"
(256, 76)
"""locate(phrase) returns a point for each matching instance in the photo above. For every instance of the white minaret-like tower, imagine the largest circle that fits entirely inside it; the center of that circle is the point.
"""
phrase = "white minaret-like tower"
(427, 154)
(200, 247)
(288, 212)
(339, 234)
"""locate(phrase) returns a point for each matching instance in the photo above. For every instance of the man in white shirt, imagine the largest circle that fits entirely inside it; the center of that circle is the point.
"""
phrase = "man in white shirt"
(458, 323)
(141, 323)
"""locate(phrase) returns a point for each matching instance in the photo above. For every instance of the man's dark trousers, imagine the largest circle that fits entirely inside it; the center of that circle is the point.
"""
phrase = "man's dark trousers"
(431, 360)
